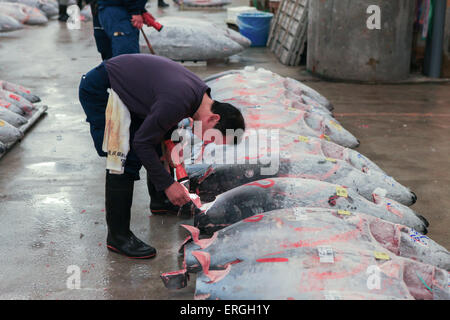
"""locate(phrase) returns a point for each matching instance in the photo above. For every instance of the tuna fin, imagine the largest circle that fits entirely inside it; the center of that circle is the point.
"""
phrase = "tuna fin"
(204, 259)
(176, 279)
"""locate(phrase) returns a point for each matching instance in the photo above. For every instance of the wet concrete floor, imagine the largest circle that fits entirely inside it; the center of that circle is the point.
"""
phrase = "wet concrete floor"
(52, 183)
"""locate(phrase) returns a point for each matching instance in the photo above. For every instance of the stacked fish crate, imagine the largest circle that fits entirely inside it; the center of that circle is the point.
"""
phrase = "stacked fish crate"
(18, 112)
(294, 212)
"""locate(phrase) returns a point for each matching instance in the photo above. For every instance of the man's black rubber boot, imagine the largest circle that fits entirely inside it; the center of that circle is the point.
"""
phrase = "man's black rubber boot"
(63, 16)
(118, 201)
(159, 203)
(162, 4)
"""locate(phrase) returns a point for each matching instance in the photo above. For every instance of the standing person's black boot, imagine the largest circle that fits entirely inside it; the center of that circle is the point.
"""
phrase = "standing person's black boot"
(162, 4)
(63, 16)
(118, 201)
(159, 203)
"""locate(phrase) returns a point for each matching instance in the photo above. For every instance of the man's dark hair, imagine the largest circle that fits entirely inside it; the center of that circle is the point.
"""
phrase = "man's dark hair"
(230, 118)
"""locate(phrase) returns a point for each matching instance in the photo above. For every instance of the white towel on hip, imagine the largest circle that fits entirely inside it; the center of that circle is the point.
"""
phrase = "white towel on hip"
(116, 141)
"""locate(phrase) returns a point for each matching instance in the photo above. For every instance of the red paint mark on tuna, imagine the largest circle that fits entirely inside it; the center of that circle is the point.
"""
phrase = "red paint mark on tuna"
(254, 218)
(272, 260)
(346, 236)
(13, 96)
(266, 183)
(277, 125)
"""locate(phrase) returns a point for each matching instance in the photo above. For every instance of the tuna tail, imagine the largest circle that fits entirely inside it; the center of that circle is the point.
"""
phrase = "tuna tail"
(175, 279)
(195, 233)
(204, 259)
(203, 222)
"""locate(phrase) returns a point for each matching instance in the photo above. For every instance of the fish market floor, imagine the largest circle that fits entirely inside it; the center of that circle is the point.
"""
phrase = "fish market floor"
(52, 183)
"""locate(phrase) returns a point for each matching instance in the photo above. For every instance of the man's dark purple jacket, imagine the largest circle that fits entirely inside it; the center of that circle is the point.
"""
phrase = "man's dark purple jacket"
(162, 93)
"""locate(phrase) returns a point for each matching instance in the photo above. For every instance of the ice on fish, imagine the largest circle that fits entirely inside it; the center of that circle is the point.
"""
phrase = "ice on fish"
(23, 13)
(279, 193)
(187, 39)
(9, 133)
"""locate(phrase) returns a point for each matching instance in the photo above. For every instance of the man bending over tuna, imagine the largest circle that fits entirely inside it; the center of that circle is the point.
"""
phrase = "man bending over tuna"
(158, 94)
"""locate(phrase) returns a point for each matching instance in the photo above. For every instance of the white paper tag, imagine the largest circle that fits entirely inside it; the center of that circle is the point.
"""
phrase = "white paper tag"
(326, 254)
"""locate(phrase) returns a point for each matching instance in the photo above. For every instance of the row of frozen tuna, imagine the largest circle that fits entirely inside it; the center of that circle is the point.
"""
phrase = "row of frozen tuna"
(15, 13)
(186, 39)
(328, 223)
(203, 3)
(16, 107)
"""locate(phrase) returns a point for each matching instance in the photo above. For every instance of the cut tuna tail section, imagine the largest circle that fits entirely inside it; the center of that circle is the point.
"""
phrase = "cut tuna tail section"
(175, 279)
(205, 260)
(195, 233)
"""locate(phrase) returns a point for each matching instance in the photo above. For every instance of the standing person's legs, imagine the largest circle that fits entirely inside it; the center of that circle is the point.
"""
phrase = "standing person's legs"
(116, 22)
(93, 96)
(63, 16)
(101, 39)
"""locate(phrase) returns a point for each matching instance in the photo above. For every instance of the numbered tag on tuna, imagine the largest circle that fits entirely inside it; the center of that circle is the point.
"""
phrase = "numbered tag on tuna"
(381, 255)
(341, 192)
(326, 254)
(2, 123)
(331, 160)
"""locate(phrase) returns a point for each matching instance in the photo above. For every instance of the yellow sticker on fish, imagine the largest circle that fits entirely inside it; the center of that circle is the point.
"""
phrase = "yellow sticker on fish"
(331, 160)
(336, 125)
(341, 192)
(303, 139)
(381, 255)
(344, 213)
(1, 123)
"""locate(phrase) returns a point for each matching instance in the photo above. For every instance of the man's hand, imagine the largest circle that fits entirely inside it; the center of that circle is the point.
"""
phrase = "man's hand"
(137, 21)
(177, 194)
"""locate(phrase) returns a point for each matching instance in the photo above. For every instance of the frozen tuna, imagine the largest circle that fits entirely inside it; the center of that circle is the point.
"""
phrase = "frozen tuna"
(278, 193)
(9, 133)
(223, 84)
(23, 13)
(294, 121)
(186, 39)
(11, 107)
(219, 178)
(322, 273)
(288, 144)
(48, 8)
(203, 3)
(296, 227)
(2, 148)
(20, 90)
(8, 23)
(12, 118)
(25, 105)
